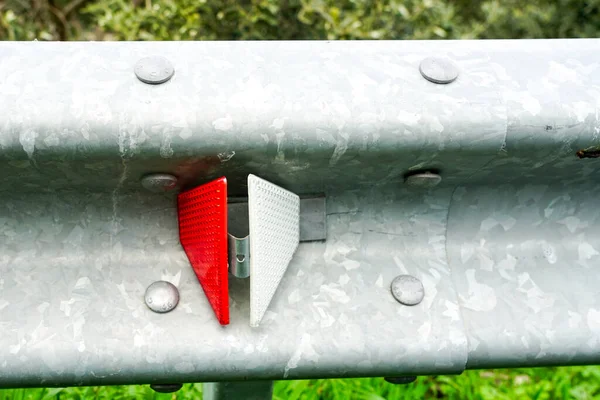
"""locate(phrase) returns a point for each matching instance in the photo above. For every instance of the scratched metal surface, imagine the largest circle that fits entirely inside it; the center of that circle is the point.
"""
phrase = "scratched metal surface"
(80, 240)
(307, 116)
(523, 260)
(74, 270)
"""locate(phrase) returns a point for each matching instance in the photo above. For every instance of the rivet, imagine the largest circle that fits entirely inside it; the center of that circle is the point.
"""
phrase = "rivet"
(161, 297)
(400, 380)
(438, 70)
(154, 70)
(408, 290)
(166, 388)
(423, 180)
(158, 183)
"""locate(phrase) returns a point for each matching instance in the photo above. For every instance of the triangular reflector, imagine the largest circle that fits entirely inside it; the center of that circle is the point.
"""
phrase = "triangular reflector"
(274, 216)
(202, 214)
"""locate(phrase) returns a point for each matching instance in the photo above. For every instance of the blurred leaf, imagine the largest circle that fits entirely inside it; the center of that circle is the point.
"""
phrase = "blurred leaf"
(296, 19)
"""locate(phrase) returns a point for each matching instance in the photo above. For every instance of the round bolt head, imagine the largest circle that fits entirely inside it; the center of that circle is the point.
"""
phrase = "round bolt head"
(154, 70)
(400, 380)
(423, 180)
(438, 70)
(161, 297)
(158, 183)
(166, 387)
(408, 290)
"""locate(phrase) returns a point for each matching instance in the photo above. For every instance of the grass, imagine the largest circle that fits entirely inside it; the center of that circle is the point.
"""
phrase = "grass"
(579, 383)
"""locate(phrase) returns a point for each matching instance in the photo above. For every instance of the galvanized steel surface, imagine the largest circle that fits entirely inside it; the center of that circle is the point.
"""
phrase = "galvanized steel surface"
(505, 245)
(524, 262)
(312, 117)
(74, 275)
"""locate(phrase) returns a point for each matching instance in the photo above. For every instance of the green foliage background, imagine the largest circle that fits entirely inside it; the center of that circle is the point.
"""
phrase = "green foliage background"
(296, 19)
(574, 383)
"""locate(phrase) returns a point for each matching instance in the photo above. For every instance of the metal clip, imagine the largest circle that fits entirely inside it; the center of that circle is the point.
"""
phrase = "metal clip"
(238, 238)
(239, 256)
(312, 228)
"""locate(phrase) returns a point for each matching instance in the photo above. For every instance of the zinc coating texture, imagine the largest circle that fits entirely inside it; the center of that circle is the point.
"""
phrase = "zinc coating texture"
(365, 106)
(528, 257)
(274, 222)
(74, 277)
(81, 240)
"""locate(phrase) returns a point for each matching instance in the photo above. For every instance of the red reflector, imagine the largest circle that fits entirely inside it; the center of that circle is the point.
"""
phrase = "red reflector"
(202, 214)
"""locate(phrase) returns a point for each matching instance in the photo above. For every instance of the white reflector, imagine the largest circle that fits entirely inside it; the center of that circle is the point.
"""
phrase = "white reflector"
(274, 216)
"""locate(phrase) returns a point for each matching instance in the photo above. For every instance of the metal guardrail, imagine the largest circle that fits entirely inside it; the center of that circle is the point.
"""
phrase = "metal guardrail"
(482, 188)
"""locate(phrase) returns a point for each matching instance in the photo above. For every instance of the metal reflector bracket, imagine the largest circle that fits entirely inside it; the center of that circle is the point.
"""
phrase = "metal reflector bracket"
(312, 228)
(202, 214)
(239, 256)
(274, 219)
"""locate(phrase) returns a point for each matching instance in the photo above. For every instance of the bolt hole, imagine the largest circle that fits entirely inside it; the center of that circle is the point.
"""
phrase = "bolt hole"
(588, 153)
(240, 258)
